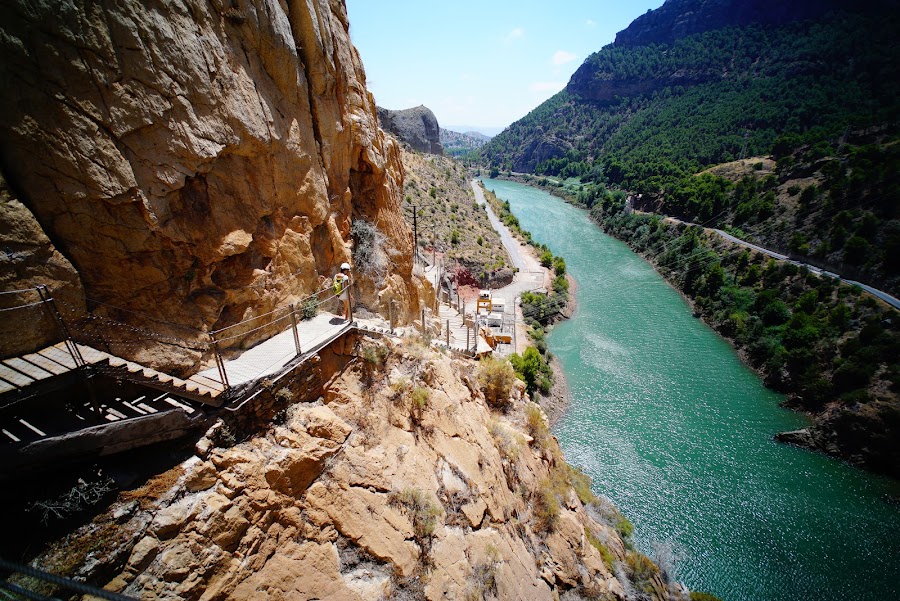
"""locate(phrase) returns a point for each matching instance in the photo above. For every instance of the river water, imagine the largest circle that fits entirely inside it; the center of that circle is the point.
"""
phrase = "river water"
(677, 433)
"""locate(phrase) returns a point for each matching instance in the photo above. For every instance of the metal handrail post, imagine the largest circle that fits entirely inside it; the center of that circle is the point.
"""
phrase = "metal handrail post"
(44, 293)
(448, 332)
(71, 346)
(391, 313)
(220, 363)
(294, 326)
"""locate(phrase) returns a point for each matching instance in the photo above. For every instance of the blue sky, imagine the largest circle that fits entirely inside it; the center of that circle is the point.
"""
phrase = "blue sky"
(482, 64)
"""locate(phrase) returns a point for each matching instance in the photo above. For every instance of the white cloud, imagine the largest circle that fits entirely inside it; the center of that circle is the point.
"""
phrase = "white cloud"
(590, 23)
(547, 86)
(561, 57)
(515, 34)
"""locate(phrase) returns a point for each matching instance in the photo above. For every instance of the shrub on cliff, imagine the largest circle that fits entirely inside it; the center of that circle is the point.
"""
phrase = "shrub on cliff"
(641, 570)
(370, 252)
(701, 596)
(496, 377)
(421, 511)
(546, 507)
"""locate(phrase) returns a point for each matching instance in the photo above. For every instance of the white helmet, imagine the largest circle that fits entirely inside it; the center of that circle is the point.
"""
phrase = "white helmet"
(345, 266)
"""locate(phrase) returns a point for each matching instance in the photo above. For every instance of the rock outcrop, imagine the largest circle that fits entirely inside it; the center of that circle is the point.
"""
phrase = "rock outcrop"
(27, 260)
(399, 482)
(198, 163)
(417, 127)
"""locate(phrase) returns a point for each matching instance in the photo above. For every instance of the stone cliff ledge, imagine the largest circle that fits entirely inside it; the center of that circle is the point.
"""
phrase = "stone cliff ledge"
(399, 481)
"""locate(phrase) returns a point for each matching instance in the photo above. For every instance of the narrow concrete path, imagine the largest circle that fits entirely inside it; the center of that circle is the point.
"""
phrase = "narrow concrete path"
(531, 275)
(270, 356)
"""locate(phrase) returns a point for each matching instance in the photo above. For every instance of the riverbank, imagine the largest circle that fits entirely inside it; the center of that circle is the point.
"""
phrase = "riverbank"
(818, 353)
(557, 401)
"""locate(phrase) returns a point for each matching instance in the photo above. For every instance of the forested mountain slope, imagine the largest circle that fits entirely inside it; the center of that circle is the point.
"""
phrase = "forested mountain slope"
(820, 96)
(641, 116)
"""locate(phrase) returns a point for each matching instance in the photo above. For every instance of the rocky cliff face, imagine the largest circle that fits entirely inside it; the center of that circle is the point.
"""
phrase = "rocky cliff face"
(198, 163)
(680, 18)
(399, 482)
(417, 127)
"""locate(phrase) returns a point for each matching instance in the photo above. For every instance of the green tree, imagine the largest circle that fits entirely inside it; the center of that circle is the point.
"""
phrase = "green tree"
(531, 368)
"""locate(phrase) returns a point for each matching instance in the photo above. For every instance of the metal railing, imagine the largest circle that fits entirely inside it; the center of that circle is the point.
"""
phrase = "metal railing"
(75, 326)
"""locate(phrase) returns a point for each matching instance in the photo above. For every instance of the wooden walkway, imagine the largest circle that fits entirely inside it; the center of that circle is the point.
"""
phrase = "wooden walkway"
(21, 376)
(54, 368)
(18, 374)
(270, 356)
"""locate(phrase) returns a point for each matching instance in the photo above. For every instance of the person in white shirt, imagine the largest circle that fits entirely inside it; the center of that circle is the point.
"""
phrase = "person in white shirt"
(342, 288)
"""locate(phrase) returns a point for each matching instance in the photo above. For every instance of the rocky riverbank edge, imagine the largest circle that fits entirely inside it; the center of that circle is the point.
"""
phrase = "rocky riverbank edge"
(559, 399)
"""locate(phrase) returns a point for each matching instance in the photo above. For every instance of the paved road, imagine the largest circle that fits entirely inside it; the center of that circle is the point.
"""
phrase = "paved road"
(892, 301)
(530, 276)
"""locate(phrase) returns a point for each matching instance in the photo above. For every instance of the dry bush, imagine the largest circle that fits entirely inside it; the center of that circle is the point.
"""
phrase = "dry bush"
(418, 401)
(545, 506)
(370, 252)
(81, 497)
(506, 442)
(581, 482)
(399, 387)
(421, 511)
(607, 555)
(375, 354)
(641, 570)
(483, 580)
(537, 427)
(496, 377)
(509, 445)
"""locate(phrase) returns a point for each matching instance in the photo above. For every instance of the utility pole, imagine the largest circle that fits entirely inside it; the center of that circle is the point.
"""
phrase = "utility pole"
(415, 234)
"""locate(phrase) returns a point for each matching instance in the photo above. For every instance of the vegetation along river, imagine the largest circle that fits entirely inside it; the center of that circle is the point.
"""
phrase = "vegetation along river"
(677, 432)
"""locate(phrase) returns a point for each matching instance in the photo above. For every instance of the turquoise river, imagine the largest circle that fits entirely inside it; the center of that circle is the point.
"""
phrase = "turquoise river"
(677, 433)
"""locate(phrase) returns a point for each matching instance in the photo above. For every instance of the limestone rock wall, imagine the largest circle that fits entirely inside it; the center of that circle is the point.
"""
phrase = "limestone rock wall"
(398, 482)
(27, 260)
(415, 126)
(197, 162)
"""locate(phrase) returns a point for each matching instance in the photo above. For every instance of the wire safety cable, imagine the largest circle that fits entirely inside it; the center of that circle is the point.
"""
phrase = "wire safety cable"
(18, 291)
(22, 306)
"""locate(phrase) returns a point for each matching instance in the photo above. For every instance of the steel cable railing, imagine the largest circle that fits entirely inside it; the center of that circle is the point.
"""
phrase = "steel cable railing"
(118, 338)
(65, 583)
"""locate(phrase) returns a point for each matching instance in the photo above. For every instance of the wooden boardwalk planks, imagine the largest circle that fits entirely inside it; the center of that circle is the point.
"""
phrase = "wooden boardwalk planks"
(14, 377)
(29, 369)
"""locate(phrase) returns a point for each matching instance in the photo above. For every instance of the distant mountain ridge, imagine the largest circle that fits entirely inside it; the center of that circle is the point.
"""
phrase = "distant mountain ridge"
(680, 18)
(630, 112)
(457, 144)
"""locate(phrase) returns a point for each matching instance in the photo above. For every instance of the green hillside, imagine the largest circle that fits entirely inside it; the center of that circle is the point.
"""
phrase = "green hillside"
(643, 117)
(820, 97)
